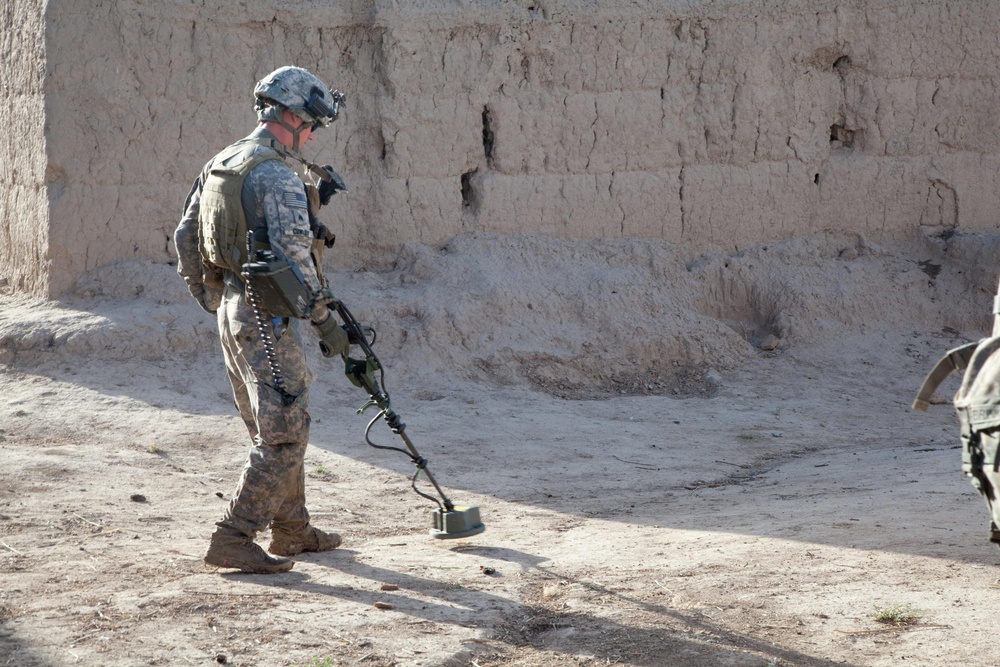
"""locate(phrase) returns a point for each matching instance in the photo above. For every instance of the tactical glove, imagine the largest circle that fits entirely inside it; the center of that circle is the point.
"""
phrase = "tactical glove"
(332, 337)
(329, 188)
(206, 296)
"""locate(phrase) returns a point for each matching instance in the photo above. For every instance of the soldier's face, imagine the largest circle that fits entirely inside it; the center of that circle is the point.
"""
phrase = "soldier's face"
(307, 133)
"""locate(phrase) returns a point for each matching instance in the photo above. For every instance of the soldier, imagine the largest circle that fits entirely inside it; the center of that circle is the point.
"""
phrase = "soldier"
(250, 187)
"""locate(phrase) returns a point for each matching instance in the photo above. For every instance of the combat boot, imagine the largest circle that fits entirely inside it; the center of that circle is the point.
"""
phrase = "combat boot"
(235, 550)
(310, 539)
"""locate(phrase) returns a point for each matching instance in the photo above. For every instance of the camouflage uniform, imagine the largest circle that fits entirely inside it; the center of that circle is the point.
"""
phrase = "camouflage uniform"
(271, 489)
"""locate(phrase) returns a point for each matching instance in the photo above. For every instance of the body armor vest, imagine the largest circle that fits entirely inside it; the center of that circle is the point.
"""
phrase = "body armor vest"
(222, 223)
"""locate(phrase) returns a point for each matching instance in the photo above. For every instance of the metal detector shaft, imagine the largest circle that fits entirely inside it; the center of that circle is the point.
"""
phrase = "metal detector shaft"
(450, 522)
(392, 418)
(380, 398)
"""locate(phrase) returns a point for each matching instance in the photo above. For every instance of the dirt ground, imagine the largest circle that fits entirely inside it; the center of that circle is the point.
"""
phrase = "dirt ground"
(681, 460)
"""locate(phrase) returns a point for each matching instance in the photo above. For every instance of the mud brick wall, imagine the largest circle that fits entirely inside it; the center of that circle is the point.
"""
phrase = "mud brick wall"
(24, 211)
(708, 123)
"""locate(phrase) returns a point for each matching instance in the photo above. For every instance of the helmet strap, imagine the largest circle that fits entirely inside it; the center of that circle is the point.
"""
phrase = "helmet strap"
(296, 132)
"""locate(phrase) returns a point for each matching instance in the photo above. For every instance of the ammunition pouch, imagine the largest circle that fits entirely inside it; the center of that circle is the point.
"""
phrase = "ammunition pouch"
(279, 286)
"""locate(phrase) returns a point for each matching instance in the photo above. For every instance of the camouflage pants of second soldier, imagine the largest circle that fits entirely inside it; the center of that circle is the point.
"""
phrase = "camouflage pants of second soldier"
(271, 489)
(981, 462)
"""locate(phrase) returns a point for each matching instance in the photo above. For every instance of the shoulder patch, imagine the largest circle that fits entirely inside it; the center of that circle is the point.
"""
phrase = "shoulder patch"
(294, 199)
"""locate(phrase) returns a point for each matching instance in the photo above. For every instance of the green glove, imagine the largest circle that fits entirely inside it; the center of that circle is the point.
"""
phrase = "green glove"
(332, 338)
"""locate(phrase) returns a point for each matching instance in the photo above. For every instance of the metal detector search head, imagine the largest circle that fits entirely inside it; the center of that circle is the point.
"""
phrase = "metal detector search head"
(457, 523)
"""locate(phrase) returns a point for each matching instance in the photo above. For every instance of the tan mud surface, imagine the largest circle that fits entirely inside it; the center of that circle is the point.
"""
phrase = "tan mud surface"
(657, 489)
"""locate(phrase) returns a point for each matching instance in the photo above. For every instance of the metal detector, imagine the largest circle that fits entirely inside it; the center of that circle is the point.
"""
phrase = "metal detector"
(450, 521)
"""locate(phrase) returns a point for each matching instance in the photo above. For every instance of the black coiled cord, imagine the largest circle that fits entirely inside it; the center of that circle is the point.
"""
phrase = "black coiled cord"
(269, 350)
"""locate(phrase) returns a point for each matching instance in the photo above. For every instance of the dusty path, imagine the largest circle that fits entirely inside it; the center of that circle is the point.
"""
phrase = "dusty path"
(758, 515)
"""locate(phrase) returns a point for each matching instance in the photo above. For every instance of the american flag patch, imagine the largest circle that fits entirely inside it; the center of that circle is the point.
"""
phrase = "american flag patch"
(294, 199)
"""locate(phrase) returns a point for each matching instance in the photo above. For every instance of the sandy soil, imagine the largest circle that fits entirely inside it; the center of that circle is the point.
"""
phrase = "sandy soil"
(681, 460)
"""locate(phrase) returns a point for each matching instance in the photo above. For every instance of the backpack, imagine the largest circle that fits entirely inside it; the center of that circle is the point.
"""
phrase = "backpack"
(977, 404)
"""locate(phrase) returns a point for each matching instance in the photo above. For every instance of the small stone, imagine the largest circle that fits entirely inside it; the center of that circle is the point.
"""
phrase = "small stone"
(384, 605)
(938, 399)
(137, 498)
(769, 343)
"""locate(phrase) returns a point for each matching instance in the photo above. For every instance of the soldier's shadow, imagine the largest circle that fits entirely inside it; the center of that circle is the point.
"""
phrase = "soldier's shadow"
(506, 620)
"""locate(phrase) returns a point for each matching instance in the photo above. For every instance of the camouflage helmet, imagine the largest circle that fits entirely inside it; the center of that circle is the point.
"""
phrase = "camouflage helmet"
(300, 92)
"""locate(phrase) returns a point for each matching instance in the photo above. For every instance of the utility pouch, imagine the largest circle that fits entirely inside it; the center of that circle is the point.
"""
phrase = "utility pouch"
(278, 286)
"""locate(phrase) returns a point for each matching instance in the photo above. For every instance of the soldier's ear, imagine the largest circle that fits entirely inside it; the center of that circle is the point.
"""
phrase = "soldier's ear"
(291, 118)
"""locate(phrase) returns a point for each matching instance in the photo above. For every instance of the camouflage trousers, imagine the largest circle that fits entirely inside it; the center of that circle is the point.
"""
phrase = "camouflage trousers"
(981, 462)
(271, 490)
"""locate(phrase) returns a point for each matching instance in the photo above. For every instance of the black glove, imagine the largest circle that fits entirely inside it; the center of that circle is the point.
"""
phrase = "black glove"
(329, 188)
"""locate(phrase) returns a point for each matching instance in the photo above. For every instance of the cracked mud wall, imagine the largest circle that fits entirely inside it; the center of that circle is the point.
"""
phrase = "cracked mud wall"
(23, 207)
(710, 124)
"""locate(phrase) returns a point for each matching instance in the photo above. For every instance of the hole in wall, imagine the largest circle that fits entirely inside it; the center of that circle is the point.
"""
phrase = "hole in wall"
(842, 65)
(534, 8)
(468, 193)
(488, 138)
(841, 136)
(816, 179)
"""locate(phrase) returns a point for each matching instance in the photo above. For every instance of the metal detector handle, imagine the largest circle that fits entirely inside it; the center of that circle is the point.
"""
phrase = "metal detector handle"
(355, 331)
